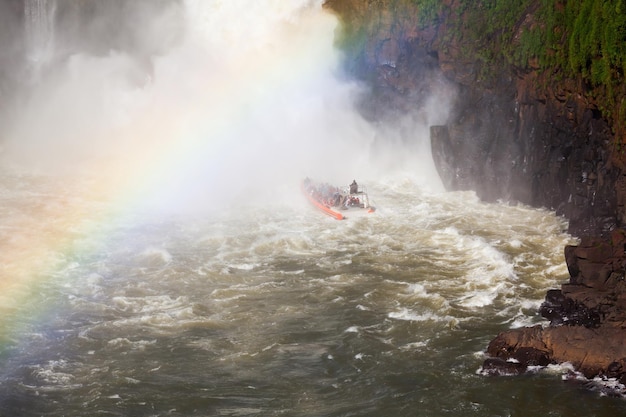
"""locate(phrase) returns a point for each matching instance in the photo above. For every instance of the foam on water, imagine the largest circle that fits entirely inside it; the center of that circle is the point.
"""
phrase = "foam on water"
(409, 315)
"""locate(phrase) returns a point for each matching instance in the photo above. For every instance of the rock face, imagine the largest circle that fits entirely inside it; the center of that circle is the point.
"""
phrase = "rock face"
(587, 317)
(528, 150)
(518, 134)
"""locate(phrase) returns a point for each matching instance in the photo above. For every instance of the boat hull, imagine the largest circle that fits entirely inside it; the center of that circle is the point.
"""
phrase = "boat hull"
(321, 206)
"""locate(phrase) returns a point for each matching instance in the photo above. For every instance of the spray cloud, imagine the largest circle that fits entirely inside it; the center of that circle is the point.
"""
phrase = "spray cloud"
(246, 100)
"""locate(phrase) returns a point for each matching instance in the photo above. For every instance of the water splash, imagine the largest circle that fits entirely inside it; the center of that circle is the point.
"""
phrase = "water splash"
(39, 26)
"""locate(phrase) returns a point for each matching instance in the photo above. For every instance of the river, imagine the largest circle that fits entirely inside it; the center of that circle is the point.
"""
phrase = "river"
(185, 275)
(277, 309)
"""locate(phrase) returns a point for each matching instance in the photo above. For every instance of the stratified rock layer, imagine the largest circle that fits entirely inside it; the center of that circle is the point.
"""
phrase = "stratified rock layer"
(587, 317)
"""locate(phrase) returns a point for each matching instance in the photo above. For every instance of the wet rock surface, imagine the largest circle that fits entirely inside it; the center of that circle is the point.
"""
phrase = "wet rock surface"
(587, 317)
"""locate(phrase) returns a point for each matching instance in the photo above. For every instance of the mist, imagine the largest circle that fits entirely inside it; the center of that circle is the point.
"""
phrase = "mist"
(215, 104)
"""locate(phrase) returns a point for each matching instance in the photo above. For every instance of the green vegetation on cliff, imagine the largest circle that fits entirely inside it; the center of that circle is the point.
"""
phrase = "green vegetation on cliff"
(583, 39)
(580, 41)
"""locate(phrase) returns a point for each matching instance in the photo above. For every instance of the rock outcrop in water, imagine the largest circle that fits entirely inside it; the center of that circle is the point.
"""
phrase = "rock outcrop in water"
(587, 317)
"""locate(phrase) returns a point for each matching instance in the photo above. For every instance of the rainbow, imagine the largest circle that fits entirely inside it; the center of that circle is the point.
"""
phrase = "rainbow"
(184, 127)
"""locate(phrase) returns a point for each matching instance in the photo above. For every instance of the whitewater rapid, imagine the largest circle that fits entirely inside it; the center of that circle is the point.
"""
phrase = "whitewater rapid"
(277, 309)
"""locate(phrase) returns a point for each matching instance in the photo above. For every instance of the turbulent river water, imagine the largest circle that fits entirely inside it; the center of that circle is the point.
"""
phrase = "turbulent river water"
(278, 309)
(158, 259)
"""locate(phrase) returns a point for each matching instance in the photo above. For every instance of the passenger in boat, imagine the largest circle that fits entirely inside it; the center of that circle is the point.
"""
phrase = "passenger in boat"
(354, 188)
(337, 199)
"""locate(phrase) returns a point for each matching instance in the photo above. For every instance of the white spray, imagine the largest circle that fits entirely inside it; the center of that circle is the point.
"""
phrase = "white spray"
(250, 100)
(39, 26)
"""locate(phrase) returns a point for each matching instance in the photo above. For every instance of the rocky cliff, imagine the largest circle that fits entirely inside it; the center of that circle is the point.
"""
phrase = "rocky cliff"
(520, 131)
(516, 132)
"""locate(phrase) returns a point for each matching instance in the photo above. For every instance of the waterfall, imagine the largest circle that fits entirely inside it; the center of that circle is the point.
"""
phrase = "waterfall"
(39, 27)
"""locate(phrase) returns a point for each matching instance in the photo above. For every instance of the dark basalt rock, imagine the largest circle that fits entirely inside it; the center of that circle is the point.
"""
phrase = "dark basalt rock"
(501, 367)
(587, 317)
(562, 310)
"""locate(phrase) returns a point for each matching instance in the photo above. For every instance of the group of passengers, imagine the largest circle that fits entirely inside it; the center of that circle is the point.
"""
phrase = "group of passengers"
(332, 196)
